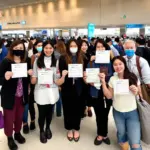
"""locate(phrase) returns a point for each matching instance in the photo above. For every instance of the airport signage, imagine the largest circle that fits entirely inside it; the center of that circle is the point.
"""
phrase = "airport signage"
(134, 26)
(15, 23)
(91, 30)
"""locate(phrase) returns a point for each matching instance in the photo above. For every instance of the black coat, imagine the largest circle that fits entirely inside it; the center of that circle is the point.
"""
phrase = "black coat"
(143, 52)
(9, 87)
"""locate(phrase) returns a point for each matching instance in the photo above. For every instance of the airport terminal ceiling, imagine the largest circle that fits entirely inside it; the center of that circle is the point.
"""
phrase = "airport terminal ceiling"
(12, 3)
(49, 14)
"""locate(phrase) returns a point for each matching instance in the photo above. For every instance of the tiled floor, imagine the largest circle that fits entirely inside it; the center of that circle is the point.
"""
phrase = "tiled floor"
(59, 141)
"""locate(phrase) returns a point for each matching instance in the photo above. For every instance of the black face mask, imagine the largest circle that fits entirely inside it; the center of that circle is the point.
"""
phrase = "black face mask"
(19, 53)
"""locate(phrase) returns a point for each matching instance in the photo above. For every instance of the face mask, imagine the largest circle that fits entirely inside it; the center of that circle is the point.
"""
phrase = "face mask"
(19, 53)
(129, 52)
(0, 50)
(73, 50)
(39, 49)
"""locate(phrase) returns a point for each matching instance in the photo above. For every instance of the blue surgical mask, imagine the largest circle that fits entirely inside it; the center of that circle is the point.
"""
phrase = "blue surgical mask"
(129, 52)
(39, 49)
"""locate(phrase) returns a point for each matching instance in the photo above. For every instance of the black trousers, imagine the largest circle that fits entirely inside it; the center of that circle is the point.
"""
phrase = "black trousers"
(31, 103)
(102, 107)
(86, 98)
(45, 114)
(72, 108)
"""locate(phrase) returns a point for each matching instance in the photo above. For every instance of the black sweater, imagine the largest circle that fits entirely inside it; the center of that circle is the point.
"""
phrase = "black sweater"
(9, 87)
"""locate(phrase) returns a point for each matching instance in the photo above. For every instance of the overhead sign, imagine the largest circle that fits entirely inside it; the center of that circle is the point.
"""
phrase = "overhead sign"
(44, 32)
(15, 23)
(91, 30)
(134, 26)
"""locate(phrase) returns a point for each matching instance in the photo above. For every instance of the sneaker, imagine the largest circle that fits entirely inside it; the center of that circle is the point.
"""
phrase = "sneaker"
(11, 144)
(19, 138)
(32, 126)
(25, 129)
(43, 138)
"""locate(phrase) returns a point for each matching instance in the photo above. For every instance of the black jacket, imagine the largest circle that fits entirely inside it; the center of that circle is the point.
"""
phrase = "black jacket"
(143, 52)
(9, 87)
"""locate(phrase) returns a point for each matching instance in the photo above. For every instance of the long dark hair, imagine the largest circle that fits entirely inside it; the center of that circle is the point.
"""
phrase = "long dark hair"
(40, 61)
(68, 54)
(35, 44)
(127, 74)
(80, 46)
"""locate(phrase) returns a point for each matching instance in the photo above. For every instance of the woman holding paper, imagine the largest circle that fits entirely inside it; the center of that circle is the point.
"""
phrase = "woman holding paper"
(46, 77)
(14, 92)
(100, 104)
(124, 104)
(72, 89)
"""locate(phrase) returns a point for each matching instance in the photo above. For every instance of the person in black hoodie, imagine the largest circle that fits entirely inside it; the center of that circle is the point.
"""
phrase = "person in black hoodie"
(14, 93)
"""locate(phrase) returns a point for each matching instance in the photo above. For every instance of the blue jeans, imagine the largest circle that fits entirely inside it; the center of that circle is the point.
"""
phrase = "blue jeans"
(128, 128)
(25, 114)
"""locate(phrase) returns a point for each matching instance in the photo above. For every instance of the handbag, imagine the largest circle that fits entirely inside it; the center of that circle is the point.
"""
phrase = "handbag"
(144, 115)
(144, 88)
(1, 120)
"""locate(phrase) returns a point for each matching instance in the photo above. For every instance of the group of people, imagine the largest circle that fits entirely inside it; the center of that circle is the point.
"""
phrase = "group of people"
(75, 94)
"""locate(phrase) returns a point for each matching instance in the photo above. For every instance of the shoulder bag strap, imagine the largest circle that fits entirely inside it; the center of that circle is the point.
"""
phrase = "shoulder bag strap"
(138, 65)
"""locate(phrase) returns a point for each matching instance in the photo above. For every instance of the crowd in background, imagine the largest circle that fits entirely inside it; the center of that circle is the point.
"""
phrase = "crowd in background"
(73, 95)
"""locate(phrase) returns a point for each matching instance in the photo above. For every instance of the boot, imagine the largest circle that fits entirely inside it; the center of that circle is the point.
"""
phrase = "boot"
(11, 144)
(125, 146)
(32, 125)
(25, 129)
(43, 137)
(19, 138)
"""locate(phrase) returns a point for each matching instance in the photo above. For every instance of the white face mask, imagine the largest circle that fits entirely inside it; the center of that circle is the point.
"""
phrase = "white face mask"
(0, 50)
(73, 50)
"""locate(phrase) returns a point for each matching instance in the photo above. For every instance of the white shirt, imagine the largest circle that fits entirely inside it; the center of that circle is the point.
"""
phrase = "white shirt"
(46, 94)
(125, 102)
(145, 69)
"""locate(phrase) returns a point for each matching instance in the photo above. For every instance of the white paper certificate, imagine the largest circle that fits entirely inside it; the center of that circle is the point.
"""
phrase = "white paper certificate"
(102, 57)
(121, 86)
(92, 75)
(45, 76)
(19, 70)
(75, 70)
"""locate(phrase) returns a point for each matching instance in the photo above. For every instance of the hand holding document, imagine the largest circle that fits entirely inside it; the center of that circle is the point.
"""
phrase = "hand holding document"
(45, 76)
(92, 75)
(121, 86)
(75, 70)
(102, 57)
(19, 70)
